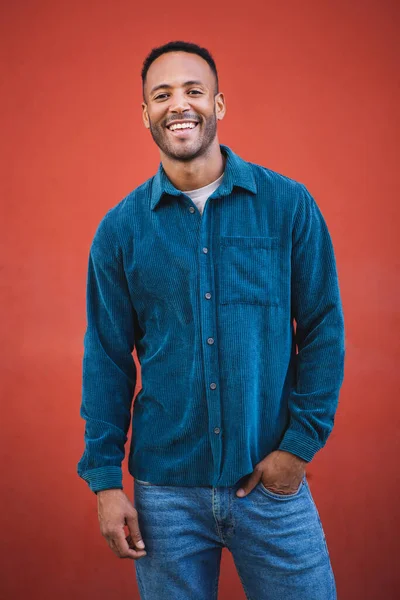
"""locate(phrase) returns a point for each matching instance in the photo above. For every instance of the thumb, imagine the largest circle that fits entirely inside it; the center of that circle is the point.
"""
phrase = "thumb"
(134, 531)
(250, 484)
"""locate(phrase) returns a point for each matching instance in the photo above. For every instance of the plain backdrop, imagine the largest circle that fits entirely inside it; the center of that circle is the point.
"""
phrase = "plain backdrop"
(312, 91)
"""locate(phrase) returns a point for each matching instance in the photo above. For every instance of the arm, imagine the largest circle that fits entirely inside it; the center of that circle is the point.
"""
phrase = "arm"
(109, 371)
(320, 335)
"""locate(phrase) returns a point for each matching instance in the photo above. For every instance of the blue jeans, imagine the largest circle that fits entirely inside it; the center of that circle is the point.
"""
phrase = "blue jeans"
(277, 543)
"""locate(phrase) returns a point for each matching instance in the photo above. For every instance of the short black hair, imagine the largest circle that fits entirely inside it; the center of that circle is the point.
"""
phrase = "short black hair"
(179, 46)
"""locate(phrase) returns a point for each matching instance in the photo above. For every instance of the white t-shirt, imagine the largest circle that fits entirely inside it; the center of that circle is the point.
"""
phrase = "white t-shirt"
(200, 195)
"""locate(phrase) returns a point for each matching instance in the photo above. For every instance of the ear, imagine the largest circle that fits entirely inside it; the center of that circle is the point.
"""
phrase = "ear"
(145, 115)
(220, 106)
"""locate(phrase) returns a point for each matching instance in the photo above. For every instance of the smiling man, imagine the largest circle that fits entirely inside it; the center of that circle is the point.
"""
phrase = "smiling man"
(186, 135)
(222, 274)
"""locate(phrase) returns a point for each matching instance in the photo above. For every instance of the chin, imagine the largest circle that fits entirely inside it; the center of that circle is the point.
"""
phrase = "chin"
(182, 153)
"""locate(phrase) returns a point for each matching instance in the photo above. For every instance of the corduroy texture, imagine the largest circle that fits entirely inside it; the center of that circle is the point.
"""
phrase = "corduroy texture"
(210, 302)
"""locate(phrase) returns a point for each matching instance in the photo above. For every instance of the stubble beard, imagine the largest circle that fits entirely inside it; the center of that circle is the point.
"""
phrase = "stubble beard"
(185, 150)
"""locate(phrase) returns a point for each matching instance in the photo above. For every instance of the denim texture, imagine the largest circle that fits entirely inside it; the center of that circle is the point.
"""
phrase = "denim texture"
(277, 543)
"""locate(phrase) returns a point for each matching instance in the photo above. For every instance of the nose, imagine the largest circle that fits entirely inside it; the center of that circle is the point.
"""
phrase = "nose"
(179, 103)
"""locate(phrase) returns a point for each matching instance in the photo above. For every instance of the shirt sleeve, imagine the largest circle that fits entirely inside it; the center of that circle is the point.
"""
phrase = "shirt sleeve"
(320, 334)
(109, 371)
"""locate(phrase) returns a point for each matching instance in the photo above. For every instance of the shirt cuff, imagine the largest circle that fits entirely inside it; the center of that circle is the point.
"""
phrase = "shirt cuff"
(104, 478)
(299, 444)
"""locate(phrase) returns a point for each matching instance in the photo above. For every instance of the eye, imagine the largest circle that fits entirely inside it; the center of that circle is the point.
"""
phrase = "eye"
(160, 96)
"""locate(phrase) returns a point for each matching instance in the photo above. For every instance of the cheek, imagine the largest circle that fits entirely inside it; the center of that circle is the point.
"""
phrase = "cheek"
(156, 119)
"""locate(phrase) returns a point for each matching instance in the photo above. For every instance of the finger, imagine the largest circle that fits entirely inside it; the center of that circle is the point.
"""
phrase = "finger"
(134, 531)
(120, 546)
(283, 488)
(131, 543)
(249, 484)
(131, 553)
(287, 492)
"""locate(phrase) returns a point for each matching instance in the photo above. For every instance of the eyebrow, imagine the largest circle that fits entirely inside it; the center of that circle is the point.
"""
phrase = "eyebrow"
(166, 85)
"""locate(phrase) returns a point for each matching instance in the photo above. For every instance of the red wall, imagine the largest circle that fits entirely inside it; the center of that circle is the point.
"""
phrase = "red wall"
(312, 92)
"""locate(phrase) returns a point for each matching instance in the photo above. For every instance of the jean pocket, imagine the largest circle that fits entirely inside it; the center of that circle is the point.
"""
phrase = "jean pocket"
(249, 270)
(277, 496)
(143, 482)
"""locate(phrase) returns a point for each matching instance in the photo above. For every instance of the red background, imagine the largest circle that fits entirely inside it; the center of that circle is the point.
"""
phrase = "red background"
(312, 92)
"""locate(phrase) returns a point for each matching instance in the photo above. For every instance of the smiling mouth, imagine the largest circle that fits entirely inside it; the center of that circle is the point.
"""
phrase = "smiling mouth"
(184, 132)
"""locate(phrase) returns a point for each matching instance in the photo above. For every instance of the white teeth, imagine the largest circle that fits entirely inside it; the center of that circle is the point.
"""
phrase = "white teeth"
(182, 126)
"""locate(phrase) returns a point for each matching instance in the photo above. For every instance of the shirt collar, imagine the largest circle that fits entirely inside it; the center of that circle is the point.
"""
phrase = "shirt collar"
(237, 172)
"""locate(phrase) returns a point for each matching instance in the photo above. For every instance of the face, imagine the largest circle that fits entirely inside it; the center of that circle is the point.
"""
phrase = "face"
(180, 87)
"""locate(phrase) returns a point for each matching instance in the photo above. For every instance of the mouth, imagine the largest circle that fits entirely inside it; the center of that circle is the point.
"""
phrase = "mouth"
(184, 131)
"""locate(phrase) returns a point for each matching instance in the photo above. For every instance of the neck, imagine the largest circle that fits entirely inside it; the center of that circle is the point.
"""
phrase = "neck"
(195, 173)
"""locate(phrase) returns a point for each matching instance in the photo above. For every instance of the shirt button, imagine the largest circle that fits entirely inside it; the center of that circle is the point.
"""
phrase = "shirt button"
(191, 209)
(210, 340)
(216, 430)
(213, 386)
(205, 250)
(208, 295)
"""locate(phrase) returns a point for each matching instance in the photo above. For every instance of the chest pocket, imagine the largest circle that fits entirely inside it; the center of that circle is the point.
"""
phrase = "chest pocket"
(249, 270)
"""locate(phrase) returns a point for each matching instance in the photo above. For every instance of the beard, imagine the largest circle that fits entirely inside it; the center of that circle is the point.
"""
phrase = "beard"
(185, 150)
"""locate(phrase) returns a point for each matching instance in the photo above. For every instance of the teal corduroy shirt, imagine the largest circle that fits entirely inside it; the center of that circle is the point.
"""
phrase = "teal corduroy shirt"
(215, 305)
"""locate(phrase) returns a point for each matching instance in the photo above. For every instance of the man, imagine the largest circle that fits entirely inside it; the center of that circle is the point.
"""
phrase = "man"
(214, 269)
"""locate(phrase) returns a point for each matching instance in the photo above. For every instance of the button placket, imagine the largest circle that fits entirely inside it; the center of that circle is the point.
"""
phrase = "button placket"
(210, 354)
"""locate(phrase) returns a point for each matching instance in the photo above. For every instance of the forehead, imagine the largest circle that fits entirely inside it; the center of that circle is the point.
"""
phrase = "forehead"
(173, 68)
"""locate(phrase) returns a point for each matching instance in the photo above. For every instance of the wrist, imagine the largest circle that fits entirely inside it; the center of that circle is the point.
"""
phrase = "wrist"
(108, 491)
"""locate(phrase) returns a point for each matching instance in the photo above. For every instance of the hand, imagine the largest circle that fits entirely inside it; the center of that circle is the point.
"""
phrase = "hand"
(281, 472)
(116, 511)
